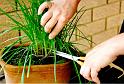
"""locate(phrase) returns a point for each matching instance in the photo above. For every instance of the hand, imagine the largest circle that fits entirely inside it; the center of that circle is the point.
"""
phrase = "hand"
(101, 56)
(58, 14)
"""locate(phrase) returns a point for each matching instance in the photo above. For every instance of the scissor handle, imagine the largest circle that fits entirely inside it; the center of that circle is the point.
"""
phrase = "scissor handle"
(80, 61)
(82, 58)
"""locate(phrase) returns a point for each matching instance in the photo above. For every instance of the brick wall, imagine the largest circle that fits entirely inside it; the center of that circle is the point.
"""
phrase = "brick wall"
(5, 22)
(101, 21)
(10, 7)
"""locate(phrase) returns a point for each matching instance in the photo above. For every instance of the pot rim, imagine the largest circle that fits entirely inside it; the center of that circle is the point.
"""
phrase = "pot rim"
(10, 67)
(14, 68)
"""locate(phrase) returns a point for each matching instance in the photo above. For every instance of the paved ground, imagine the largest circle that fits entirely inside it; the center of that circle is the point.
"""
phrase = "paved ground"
(2, 80)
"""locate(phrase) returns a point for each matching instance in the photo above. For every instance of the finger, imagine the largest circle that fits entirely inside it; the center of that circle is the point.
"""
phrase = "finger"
(45, 18)
(52, 22)
(94, 76)
(62, 21)
(44, 6)
(85, 72)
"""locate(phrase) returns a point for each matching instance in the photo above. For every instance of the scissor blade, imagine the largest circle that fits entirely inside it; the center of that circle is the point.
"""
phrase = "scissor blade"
(65, 55)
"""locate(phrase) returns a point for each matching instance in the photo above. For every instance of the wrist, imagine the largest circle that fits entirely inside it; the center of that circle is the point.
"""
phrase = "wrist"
(78, 1)
(118, 44)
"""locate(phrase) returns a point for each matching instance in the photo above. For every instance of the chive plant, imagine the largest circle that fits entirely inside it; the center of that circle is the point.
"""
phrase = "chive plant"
(34, 34)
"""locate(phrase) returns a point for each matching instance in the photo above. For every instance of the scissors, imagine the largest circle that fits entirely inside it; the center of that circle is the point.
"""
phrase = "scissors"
(79, 60)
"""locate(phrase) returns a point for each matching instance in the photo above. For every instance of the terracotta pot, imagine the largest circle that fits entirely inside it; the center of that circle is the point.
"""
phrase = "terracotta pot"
(38, 73)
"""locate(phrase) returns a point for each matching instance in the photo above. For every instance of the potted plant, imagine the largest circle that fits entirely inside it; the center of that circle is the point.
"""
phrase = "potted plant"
(32, 58)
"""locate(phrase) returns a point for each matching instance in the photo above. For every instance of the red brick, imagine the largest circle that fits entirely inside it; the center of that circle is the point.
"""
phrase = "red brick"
(7, 24)
(7, 5)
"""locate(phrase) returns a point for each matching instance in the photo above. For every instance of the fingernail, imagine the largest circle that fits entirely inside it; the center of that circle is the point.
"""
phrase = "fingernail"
(50, 37)
(46, 30)
(41, 23)
(39, 12)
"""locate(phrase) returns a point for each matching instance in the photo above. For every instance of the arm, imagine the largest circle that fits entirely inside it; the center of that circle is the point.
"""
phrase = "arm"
(101, 56)
(59, 13)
